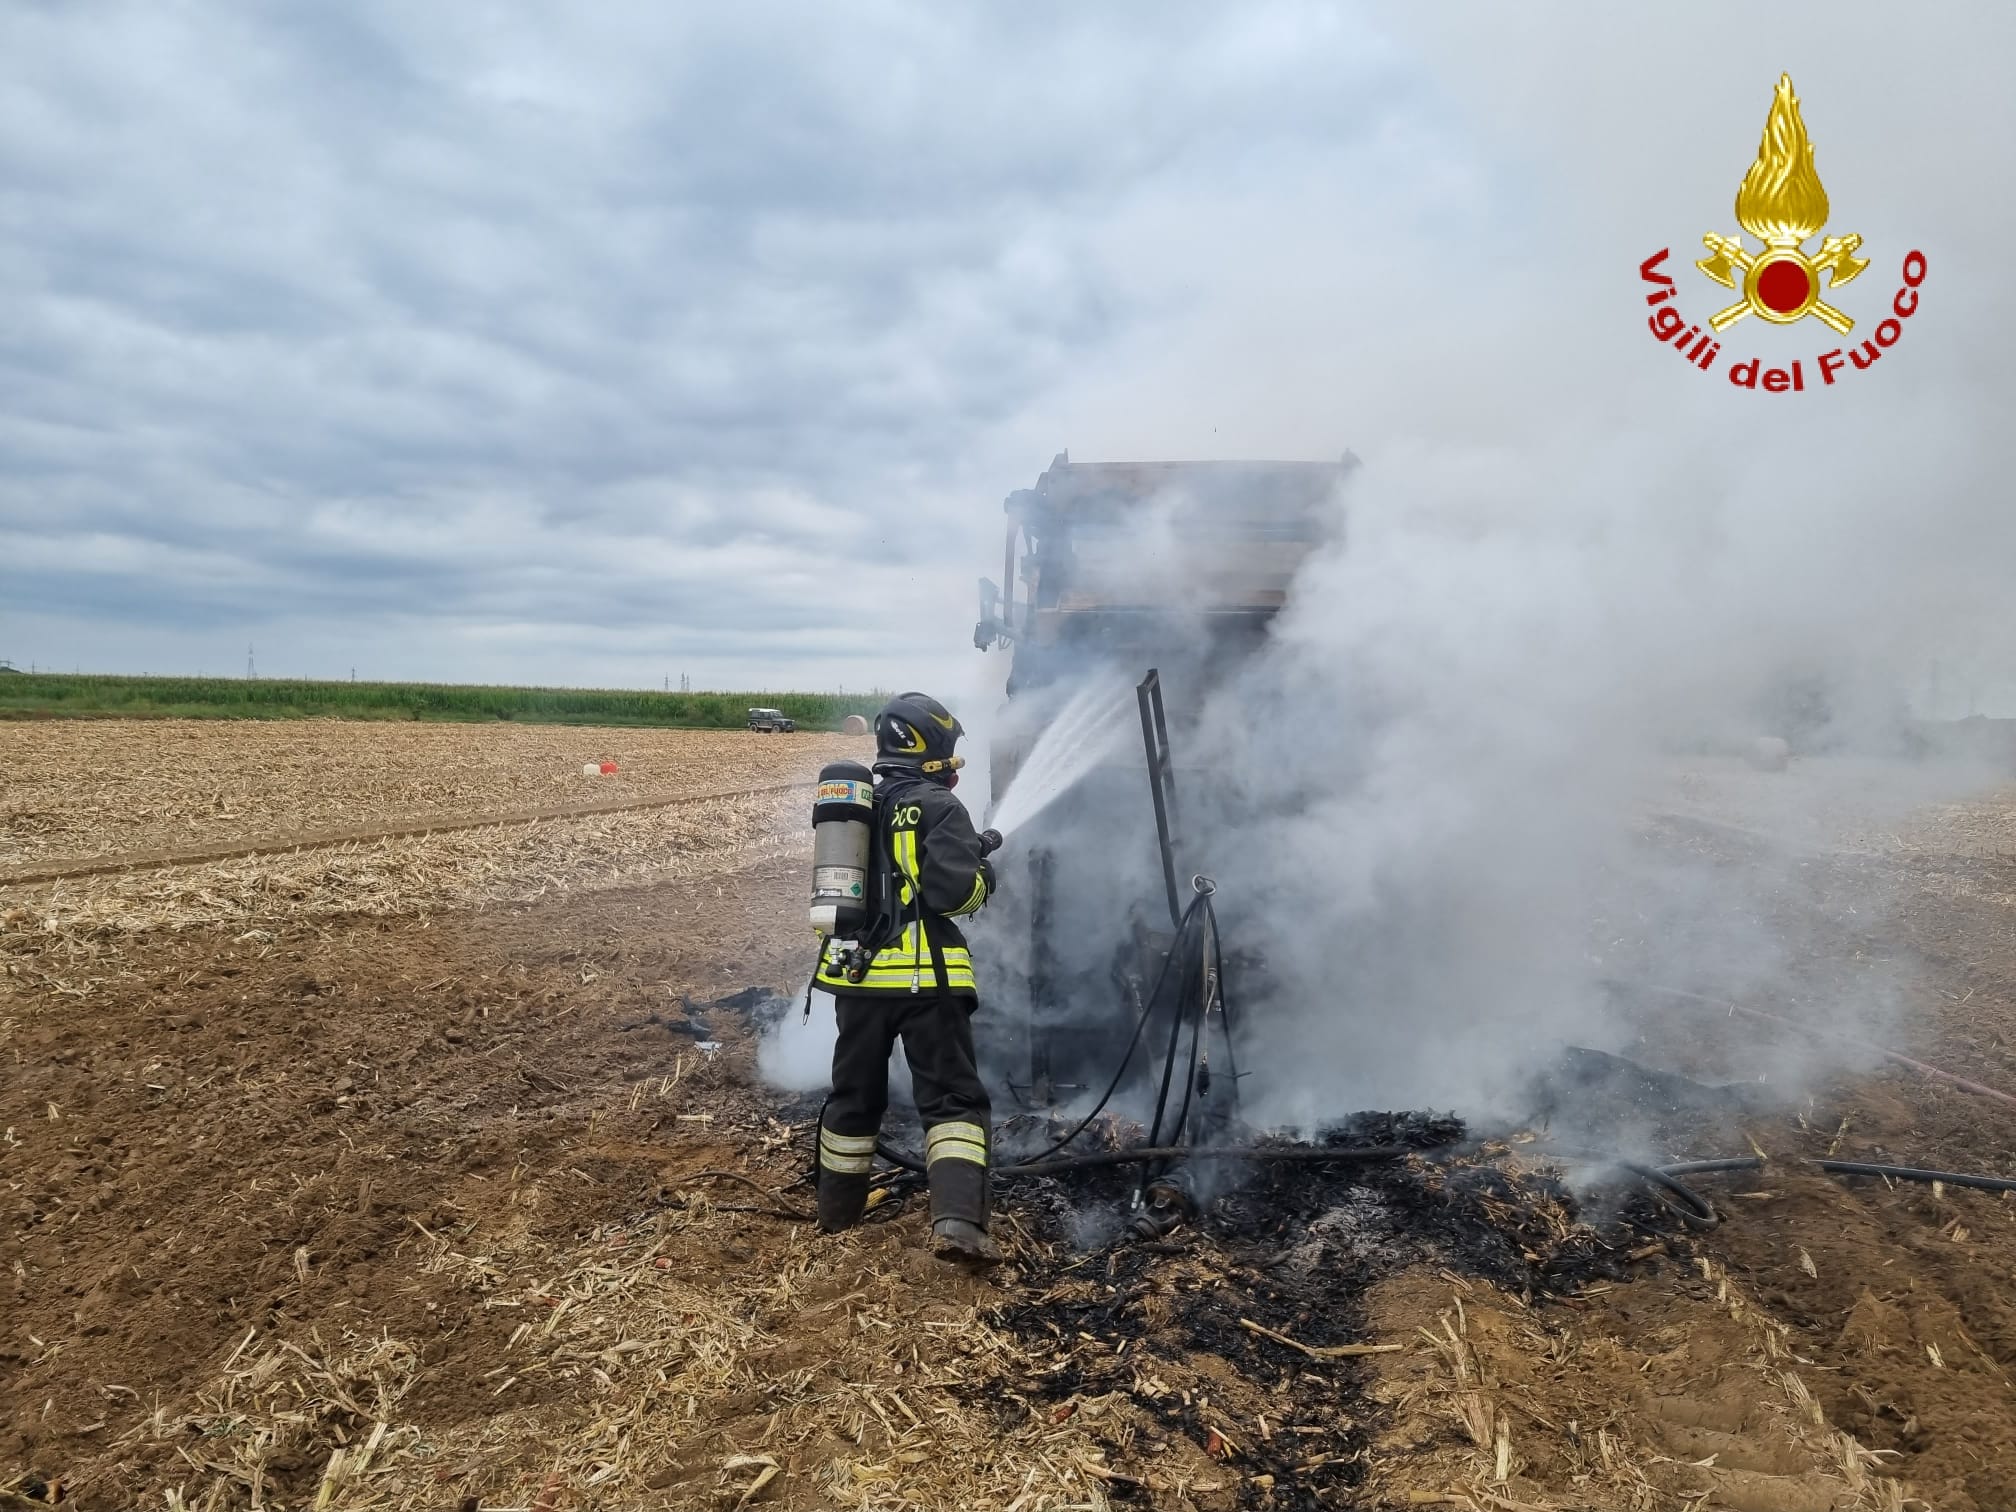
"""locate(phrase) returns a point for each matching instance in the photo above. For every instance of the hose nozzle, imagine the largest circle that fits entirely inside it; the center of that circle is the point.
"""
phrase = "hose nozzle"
(990, 841)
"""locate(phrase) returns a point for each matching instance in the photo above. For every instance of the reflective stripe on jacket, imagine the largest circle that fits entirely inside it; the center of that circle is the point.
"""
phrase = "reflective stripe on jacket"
(940, 878)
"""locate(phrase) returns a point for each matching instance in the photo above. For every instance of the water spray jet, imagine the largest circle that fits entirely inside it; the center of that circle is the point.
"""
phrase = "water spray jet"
(1085, 733)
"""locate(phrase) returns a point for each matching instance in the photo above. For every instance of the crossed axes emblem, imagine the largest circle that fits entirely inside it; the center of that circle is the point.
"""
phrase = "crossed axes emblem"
(1729, 260)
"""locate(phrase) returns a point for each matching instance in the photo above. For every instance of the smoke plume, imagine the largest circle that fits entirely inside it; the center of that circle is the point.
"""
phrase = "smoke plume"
(1489, 760)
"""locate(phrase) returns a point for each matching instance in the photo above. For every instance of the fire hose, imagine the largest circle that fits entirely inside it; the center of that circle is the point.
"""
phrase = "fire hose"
(1207, 973)
(1141, 1154)
(1695, 1210)
(1199, 915)
(1698, 1212)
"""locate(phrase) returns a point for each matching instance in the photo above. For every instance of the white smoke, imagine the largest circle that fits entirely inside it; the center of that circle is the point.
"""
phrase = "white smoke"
(795, 1052)
(1575, 570)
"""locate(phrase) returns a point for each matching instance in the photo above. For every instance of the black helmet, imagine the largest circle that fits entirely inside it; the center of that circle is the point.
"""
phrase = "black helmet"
(916, 731)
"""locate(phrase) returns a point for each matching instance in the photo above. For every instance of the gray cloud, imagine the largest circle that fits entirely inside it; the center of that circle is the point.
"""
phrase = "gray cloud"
(622, 318)
(619, 331)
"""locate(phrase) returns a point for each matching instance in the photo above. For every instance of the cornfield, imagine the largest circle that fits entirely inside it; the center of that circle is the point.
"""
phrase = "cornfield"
(46, 695)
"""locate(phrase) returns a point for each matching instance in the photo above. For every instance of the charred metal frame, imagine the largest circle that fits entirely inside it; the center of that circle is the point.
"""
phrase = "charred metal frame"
(1042, 977)
(1161, 781)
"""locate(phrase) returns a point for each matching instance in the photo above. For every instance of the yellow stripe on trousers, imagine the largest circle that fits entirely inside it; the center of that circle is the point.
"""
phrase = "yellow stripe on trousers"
(846, 1154)
(956, 1141)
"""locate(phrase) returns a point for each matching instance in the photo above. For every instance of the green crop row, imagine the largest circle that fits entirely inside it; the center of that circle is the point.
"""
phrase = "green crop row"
(52, 695)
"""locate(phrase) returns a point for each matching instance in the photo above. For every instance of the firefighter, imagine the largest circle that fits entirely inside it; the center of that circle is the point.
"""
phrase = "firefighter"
(917, 985)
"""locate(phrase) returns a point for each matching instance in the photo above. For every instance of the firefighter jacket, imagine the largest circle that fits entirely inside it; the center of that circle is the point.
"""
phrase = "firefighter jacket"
(940, 877)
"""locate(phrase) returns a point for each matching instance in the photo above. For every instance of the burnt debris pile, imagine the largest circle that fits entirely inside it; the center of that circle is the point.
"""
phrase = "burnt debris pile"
(1239, 1340)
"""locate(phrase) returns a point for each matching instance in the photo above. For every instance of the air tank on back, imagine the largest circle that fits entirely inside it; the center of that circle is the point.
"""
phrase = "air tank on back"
(843, 834)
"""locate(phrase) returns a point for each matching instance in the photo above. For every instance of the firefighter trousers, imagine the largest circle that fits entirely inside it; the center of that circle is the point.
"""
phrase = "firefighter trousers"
(937, 1035)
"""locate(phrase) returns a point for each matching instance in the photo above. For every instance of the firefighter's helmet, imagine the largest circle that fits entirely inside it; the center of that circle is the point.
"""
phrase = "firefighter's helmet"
(915, 730)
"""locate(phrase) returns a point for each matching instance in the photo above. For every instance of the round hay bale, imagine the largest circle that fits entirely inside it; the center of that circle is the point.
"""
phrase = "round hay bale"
(855, 724)
(1769, 754)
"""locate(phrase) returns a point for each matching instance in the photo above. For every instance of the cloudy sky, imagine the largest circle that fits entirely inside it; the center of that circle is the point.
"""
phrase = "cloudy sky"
(603, 344)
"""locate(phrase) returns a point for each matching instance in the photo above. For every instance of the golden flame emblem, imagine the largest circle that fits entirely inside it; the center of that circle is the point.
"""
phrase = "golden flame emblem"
(1783, 204)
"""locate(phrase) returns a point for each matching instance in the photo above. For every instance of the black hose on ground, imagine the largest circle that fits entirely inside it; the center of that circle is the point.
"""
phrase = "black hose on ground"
(1340, 1154)
(1908, 1173)
(899, 1158)
(1697, 1212)
(1148, 1006)
(1310, 1154)
(1979, 1183)
(1199, 910)
(910, 1162)
(1694, 1210)
(1305, 1154)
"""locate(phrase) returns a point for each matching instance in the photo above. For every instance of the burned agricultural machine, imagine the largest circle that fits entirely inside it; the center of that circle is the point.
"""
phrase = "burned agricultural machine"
(1182, 563)
(1170, 573)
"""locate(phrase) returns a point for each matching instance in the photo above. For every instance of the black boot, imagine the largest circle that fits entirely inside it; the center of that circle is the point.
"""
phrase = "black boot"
(964, 1241)
(845, 1165)
(842, 1200)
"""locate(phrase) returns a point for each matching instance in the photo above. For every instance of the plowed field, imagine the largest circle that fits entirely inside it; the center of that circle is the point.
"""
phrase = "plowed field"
(433, 1172)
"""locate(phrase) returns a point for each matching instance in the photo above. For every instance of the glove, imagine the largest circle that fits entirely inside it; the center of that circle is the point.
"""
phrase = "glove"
(990, 841)
(987, 875)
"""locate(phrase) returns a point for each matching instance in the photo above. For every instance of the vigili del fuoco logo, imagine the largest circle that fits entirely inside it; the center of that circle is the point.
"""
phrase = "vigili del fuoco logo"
(1783, 204)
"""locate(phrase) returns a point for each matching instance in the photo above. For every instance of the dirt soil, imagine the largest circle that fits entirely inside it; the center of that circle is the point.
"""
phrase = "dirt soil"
(481, 1206)
(83, 789)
